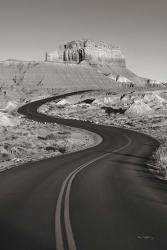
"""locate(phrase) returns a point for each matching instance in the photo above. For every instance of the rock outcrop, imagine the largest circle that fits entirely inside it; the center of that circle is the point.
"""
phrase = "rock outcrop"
(121, 79)
(7, 120)
(139, 108)
(87, 50)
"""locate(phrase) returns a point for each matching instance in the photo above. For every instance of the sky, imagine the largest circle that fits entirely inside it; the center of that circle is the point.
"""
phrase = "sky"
(29, 28)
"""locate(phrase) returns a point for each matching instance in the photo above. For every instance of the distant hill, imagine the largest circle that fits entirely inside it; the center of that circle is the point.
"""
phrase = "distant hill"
(52, 75)
(20, 80)
(88, 50)
(119, 74)
(80, 64)
(107, 59)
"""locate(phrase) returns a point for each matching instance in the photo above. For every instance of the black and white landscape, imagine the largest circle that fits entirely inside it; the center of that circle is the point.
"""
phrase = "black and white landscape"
(83, 150)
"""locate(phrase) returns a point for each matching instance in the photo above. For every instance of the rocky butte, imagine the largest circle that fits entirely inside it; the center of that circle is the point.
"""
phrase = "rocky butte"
(106, 59)
(87, 50)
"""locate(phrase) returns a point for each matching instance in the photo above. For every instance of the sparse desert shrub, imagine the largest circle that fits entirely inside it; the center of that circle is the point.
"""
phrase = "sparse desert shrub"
(88, 101)
(6, 146)
(18, 151)
(110, 110)
(14, 137)
(129, 124)
(61, 149)
(63, 132)
(161, 159)
(4, 155)
(51, 136)
(42, 138)
(50, 148)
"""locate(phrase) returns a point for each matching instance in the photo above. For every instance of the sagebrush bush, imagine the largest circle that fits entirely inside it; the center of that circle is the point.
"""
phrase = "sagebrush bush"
(62, 149)
(161, 159)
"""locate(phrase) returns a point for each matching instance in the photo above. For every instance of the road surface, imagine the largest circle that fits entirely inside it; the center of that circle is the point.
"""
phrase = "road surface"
(102, 198)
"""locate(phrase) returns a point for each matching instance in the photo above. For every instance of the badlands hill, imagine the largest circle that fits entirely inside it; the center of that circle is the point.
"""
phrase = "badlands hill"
(107, 59)
(18, 74)
(82, 64)
(20, 81)
(87, 50)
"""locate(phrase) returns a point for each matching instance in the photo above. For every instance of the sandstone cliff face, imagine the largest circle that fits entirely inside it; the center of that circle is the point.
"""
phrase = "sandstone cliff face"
(87, 50)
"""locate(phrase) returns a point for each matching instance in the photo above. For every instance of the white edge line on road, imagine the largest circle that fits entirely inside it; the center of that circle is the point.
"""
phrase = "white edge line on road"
(68, 182)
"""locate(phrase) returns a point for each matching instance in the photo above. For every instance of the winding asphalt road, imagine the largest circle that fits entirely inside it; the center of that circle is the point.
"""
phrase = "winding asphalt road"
(102, 198)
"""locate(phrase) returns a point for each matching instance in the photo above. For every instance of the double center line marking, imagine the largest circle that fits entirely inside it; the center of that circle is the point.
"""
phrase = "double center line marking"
(64, 197)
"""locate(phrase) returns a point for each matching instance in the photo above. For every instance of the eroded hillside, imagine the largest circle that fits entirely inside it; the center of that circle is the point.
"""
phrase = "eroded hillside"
(142, 111)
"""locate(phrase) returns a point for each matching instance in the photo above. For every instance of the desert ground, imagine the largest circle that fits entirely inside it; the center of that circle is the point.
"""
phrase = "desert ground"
(142, 108)
(144, 111)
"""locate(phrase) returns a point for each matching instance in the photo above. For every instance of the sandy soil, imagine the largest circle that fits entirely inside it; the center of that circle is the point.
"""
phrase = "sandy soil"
(22, 82)
(33, 141)
(141, 111)
(24, 140)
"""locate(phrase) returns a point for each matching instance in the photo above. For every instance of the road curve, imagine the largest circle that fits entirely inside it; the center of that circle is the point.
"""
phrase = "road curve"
(100, 198)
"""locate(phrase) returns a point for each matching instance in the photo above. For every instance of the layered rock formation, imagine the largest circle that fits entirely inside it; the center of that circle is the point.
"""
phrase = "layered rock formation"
(87, 50)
